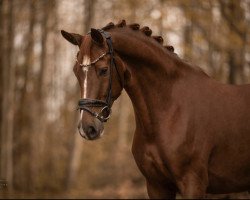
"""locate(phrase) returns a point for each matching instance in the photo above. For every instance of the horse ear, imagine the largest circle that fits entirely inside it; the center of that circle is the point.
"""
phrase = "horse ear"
(73, 38)
(96, 36)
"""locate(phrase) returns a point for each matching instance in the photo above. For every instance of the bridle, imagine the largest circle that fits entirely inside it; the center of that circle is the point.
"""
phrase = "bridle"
(86, 104)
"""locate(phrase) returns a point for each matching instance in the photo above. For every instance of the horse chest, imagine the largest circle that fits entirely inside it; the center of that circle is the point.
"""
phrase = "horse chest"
(150, 164)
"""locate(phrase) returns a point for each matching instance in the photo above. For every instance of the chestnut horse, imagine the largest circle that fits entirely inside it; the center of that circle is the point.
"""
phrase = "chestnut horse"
(192, 133)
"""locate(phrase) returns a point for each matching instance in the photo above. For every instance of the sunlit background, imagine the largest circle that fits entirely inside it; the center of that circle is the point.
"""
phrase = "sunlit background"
(41, 153)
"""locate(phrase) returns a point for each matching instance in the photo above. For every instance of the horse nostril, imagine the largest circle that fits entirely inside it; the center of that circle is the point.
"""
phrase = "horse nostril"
(91, 132)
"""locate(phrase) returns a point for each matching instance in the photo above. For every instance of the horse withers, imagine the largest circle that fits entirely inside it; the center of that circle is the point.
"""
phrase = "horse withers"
(192, 133)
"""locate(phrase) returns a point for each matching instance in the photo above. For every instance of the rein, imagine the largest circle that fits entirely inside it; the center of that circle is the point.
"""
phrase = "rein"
(86, 104)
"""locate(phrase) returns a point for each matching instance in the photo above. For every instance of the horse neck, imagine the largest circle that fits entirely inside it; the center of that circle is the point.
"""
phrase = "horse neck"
(153, 70)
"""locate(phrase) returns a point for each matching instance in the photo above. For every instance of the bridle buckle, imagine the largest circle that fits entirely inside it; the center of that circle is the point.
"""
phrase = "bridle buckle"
(109, 113)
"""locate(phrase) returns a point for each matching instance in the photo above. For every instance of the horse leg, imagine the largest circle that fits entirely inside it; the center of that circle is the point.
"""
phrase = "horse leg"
(193, 186)
(159, 191)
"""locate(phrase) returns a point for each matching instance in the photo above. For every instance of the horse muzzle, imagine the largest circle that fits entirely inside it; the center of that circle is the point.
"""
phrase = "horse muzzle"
(91, 130)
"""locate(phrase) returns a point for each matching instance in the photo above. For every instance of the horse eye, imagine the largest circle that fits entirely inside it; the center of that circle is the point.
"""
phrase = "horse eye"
(103, 71)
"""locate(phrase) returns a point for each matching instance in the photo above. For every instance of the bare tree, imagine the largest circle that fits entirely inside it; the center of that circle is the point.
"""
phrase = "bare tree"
(44, 24)
(234, 16)
(1, 73)
(188, 29)
(23, 128)
(8, 102)
(88, 14)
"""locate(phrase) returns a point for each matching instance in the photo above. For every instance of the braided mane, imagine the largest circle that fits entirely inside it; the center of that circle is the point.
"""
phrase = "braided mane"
(146, 30)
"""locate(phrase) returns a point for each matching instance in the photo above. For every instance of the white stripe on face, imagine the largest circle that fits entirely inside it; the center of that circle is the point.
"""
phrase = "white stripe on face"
(86, 61)
(85, 83)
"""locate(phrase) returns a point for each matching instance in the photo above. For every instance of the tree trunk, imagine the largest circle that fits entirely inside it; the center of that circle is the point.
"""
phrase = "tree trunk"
(161, 18)
(8, 103)
(88, 13)
(23, 120)
(1, 76)
(132, 6)
(188, 41)
(39, 110)
(232, 68)
(188, 32)
(234, 16)
(40, 86)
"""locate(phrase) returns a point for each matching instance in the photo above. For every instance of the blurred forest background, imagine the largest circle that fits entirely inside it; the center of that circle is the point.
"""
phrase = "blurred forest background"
(41, 153)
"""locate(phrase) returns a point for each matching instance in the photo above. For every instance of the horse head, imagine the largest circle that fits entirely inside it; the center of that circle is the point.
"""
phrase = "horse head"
(100, 75)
